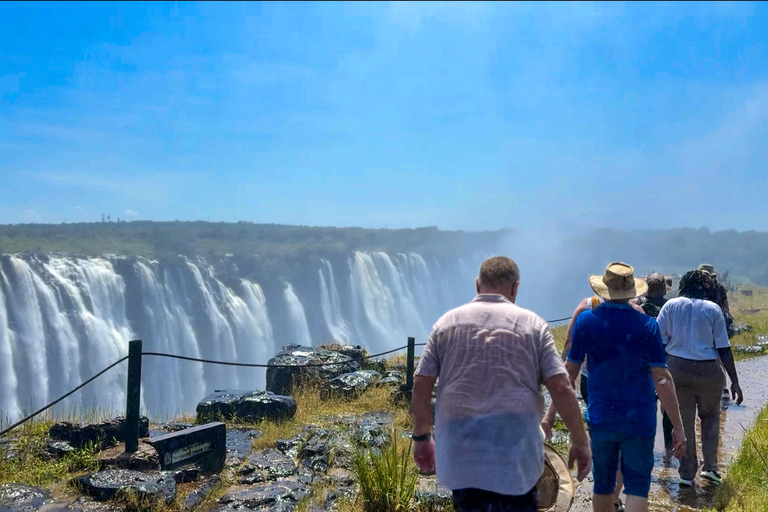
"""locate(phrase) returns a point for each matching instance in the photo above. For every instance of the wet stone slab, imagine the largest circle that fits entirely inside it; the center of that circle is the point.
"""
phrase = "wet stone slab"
(273, 496)
(240, 444)
(106, 485)
(21, 498)
(269, 464)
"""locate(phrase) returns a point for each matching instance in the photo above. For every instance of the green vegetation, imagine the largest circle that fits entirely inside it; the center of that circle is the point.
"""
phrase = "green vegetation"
(387, 479)
(751, 310)
(33, 466)
(745, 486)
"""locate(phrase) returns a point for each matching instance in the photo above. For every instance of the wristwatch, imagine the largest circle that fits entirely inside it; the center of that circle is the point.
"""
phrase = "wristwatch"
(422, 437)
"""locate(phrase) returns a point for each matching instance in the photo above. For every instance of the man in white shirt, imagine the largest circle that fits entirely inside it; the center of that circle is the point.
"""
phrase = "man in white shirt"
(492, 358)
(696, 342)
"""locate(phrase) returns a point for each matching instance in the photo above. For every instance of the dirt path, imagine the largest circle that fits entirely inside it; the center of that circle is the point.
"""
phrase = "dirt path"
(666, 494)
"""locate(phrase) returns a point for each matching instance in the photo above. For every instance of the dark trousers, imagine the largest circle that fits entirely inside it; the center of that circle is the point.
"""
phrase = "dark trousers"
(478, 500)
(666, 425)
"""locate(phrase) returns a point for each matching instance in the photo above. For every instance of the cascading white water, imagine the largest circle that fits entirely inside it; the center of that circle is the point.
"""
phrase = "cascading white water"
(296, 318)
(64, 319)
(330, 303)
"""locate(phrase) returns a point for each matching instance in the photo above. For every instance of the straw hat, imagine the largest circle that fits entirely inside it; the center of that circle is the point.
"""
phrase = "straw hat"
(618, 283)
(555, 488)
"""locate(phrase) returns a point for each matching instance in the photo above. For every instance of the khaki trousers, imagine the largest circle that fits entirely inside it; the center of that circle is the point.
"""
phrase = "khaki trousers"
(699, 386)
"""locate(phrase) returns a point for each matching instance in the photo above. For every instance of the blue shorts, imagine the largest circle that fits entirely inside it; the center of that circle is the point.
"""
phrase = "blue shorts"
(636, 462)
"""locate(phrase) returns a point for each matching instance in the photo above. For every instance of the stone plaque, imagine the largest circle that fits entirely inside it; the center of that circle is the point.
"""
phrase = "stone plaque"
(204, 445)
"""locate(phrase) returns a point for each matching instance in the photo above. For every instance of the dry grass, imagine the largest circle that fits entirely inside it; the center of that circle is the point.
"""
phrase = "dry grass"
(750, 310)
(316, 410)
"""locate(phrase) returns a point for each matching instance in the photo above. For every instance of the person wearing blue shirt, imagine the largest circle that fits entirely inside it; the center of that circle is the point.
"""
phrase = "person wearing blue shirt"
(627, 369)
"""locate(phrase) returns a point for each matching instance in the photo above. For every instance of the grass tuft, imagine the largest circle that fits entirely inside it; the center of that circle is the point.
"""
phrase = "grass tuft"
(387, 478)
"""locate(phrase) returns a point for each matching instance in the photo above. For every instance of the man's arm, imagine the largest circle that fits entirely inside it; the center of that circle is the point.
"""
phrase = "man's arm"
(421, 414)
(582, 307)
(564, 400)
(665, 389)
(726, 357)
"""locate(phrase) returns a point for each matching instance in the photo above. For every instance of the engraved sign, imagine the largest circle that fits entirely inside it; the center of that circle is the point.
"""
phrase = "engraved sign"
(204, 445)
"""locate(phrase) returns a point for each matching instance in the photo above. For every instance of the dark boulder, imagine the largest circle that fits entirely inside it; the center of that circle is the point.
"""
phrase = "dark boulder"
(106, 485)
(292, 446)
(315, 454)
(295, 365)
(373, 429)
(272, 496)
(354, 352)
(239, 445)
(392, 378)
(245, 406)
(104, 434)
(59, 449)
(270, 464)
(352, 385)
(21, 498)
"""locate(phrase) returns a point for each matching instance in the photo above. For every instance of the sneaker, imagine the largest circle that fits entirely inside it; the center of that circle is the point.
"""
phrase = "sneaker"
(685, 483)
(618, 507)
(712, 476)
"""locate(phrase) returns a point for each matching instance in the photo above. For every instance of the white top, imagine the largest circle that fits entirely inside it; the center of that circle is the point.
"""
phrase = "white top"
(693, 328)
(491, 358)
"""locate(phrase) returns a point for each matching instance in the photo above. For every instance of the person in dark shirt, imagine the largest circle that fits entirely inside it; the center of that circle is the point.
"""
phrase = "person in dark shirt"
(626, 364)
(719, 295)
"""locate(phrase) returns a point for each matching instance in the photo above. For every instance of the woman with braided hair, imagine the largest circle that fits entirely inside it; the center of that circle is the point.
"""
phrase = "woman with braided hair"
(697, 347)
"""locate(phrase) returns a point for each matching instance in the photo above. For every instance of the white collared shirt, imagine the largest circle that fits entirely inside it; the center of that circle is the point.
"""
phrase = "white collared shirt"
(693, 328)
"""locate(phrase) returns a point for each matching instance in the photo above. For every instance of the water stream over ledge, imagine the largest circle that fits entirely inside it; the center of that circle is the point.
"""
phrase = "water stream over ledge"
(666, 494)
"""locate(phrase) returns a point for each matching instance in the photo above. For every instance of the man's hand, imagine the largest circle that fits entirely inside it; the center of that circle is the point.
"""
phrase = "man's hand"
(581, 454)
(547, 428)
(424, 455)
(678, 443)
(736, 393)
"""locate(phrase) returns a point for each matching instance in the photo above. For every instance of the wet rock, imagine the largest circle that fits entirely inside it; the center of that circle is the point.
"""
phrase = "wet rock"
(8, 449)
(187, 474)
(373, 429)
(239, 445)
(105, 485)
(59, 449)
(292, 446)
(333, 496)
(429, 496)
(314, 454)
(355, 352)
(21, 498)
(352, 385)
(274, 496)
(748, 349)
(392, 378)
(167, 428)
(104, 434)
(271, 464)
(144, 459)
(245, 406)
(300, 361)
(196, 497)
(762, 341)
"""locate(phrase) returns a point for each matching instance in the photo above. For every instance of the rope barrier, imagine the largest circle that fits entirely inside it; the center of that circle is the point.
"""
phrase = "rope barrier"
(261, 365)
(102, 372)
(207, 361)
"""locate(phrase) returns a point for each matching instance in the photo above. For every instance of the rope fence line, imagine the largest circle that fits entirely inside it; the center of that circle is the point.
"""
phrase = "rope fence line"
(68, 394)
(408, 347)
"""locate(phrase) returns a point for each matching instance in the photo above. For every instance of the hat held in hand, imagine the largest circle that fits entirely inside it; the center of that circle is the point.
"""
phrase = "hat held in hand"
(555, 489)
(618, 283)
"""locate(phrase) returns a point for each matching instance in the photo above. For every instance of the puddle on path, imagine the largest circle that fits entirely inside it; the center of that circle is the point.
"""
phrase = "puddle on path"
(666, 494)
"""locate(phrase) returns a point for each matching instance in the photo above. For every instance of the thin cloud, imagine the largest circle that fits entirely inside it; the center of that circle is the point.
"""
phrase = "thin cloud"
(79, 208)
(131, 213)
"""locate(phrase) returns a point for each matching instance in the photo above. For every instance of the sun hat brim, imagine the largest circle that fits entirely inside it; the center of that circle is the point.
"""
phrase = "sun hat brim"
(559, 489)
(602, 290)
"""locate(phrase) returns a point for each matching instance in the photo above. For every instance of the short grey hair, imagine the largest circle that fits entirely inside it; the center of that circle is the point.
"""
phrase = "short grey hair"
(497, 272)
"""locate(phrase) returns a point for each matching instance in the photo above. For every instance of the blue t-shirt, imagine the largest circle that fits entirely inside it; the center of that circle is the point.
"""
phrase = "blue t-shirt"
(622, 345)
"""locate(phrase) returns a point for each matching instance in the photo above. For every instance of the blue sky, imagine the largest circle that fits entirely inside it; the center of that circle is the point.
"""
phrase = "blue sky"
(464, 116)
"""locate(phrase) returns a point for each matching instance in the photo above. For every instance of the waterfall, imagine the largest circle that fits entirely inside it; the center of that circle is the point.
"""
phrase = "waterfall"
(330, 303)
(63, 319)
(296, 317)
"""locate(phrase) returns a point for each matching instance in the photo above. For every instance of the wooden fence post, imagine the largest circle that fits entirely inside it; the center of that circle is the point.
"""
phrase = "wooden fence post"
(133, 397)
(410, 364)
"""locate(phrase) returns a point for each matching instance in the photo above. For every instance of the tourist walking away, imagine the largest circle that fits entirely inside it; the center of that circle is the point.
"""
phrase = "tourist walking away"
(548, 421)
(491, 357)
(652, 302)
(719, 295)
(627, 370)
(696, 342)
